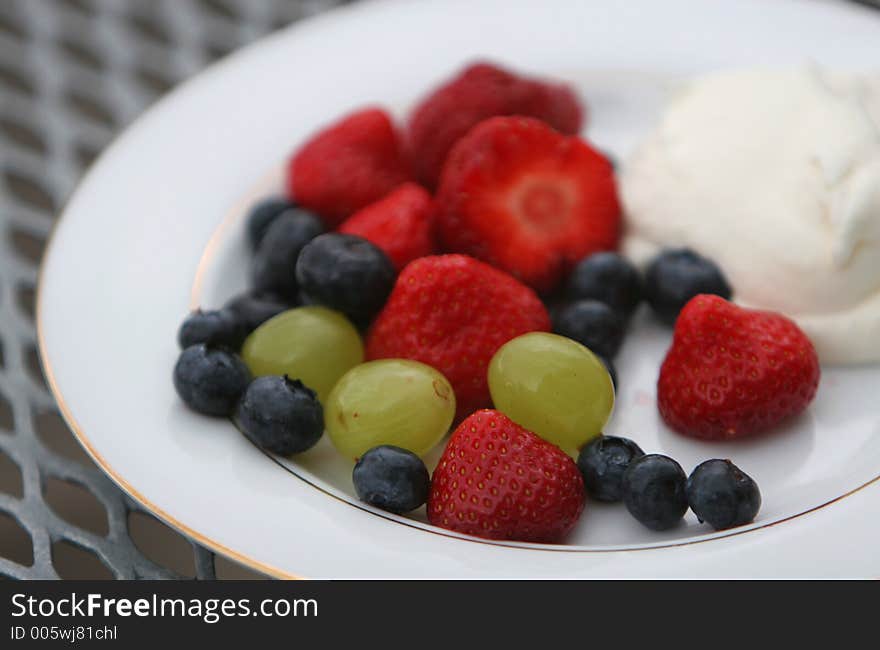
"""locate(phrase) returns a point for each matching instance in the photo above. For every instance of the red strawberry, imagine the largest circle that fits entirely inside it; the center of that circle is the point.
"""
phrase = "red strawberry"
(498, 480)
(481, 91)
(732, 372)
(348, 165)
(453, 312)
(517, 194)
(400, 224)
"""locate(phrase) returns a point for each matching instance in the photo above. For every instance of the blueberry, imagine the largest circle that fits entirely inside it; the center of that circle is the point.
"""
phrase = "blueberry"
(346, 273)
(261, 217)
(608, 278)
(654, 491)
(210, 380)
(280, 415)
(676, 276)
(602, 463)
(722, 495)
(392, 479)
(254, 308)
(593, 324)
(609, 366)
(274, 265)
(216, 328)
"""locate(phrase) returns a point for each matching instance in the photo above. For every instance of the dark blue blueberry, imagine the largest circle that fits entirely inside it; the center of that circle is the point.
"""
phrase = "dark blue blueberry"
(676, 276)
(722, 495)
(654, 491)
(346, 273)
(609, 366)
(392, 479)
(217, 328)
(602, 463)
(210, 380)
(261, 217)
(280, 415)
(593, 324)
(606, 277)
(255, 308)
(274, 265)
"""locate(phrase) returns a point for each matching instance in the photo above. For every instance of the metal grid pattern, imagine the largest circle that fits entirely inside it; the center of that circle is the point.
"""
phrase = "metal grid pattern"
(72, 74)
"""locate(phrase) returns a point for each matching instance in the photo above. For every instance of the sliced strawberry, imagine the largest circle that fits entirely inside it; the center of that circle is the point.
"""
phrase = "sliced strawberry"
(522, 197)
(347, 166)
(481, 91)
(400, 224)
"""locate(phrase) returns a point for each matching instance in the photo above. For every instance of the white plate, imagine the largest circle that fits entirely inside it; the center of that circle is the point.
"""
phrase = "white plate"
(157, 223)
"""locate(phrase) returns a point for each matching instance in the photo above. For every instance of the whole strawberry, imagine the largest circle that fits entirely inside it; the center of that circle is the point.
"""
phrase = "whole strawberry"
(732, 372)
(400, 224)
(526, 199)
(453, 312)
(478, 92)
(348, 165)
(500, 481)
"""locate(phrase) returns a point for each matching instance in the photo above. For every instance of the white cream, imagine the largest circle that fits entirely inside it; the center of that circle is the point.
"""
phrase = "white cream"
(775, 175)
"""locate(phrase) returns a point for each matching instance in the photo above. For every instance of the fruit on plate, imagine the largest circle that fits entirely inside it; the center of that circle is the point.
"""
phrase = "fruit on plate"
(348, 165)
(253, 308)
(732, 372)
(346, 273)
(313, 344)
(401, 224)
(607, 277)
(453, 312)
(280, 415)
(654, 491)
(522, 206)
(675, 276)
(210, 380)
(552, 386)
(593, 324)
(722, 495)
(527, 199)
(274, 263)
(602, 463)
(498, 480)
(262, 215)
(389, 402)
(480, 91)
(392, 479)
(220, 327)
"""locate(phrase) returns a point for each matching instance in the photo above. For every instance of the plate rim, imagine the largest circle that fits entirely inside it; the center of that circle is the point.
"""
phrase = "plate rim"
(128, 488)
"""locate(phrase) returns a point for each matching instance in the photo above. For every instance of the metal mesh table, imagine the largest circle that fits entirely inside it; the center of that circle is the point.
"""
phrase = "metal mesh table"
(72, 74)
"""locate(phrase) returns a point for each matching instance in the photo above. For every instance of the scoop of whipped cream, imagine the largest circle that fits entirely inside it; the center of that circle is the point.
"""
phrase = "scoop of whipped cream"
(774, 175)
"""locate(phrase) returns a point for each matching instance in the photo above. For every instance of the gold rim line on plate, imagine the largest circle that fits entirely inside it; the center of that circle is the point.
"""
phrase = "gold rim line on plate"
(233, 216)
(80, 435)
(238, 213)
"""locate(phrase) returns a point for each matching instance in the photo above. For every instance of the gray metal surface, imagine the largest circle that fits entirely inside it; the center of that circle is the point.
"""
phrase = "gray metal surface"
(72, 74)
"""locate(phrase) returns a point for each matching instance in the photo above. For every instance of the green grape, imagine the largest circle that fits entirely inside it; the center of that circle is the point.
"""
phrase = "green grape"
(552, 386)
(389, 402)
(313, 344)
